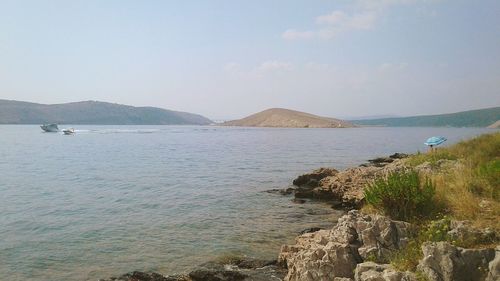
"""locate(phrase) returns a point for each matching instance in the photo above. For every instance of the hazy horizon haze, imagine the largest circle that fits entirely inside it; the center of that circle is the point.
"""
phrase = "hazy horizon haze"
(227, 60)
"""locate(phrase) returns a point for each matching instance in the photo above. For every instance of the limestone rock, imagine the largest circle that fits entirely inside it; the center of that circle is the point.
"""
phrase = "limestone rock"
(464, 231)
(494, 267)
(345, 187)
(326, 254)
(370, 271)
(445, 262)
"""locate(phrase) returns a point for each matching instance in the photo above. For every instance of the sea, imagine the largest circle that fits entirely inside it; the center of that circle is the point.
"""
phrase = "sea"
(113, 199)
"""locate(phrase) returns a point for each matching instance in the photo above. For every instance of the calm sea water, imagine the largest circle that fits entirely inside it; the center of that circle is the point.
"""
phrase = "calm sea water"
(113, 199)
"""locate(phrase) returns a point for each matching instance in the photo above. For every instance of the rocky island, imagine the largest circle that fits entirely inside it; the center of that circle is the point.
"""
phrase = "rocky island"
(286, 118)
(433, 216)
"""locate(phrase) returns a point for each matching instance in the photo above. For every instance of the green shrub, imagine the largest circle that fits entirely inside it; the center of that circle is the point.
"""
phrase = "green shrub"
(436, 230)
(402, 195)
(408, 257)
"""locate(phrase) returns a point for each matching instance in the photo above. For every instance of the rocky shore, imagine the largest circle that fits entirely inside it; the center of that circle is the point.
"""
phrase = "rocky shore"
(359, 246)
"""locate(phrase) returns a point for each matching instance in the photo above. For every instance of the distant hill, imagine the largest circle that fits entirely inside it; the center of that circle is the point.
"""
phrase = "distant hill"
(93, 112)
(471, 118)
(495, 125)
(280, 117)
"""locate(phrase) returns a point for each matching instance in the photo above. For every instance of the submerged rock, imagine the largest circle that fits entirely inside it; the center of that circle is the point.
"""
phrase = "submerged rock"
(143, 276)
(298, 201)
(239, 269)
(216, 275)
(310, 230)
(312, 179)
(245, 269)
(282, 191)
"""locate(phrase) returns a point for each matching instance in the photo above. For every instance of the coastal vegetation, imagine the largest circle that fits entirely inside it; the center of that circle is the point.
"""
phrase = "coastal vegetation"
(402, 195)
(460, 182)
(471, 118)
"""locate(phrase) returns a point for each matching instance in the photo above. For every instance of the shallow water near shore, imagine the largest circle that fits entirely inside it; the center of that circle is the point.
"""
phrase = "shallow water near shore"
(113, 199)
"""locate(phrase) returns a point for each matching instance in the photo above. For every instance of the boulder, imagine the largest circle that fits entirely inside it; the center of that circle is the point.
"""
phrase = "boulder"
(310, 230)
(445, 262)
(465, 232)
(381, 161)
(399, 155)
(327, 254)
(312, 179)
(494, 267)
(370, 271)
(282, 191)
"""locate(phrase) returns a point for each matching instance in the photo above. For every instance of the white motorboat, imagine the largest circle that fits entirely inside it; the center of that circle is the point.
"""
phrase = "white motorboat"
(51, 128)
(69, 131)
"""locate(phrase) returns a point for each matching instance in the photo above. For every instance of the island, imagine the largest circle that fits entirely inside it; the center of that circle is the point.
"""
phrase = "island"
(286, 118)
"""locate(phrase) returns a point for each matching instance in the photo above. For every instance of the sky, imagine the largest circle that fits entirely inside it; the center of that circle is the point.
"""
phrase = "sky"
(229, 59)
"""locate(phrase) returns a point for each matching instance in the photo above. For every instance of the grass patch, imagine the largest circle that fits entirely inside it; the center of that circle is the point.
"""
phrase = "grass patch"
(432, 157)
(470, 190)
(433, 231)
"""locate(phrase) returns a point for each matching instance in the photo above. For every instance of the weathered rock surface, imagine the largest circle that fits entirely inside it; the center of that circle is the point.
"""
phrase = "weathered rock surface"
(445, 262)
(370, 271)
(327, 254)
(494, 267)
(464, 231)
(142, 276)
(345, 188)
(241, 269)
(313, 178)
(310, 230)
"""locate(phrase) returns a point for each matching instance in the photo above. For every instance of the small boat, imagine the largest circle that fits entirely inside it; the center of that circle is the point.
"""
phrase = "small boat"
(51, 128)
(69, 131)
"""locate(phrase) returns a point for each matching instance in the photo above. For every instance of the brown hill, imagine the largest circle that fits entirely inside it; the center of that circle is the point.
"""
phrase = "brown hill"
(286, 118)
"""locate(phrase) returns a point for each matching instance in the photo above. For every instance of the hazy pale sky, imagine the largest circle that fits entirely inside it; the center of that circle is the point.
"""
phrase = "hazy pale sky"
(228, 59)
